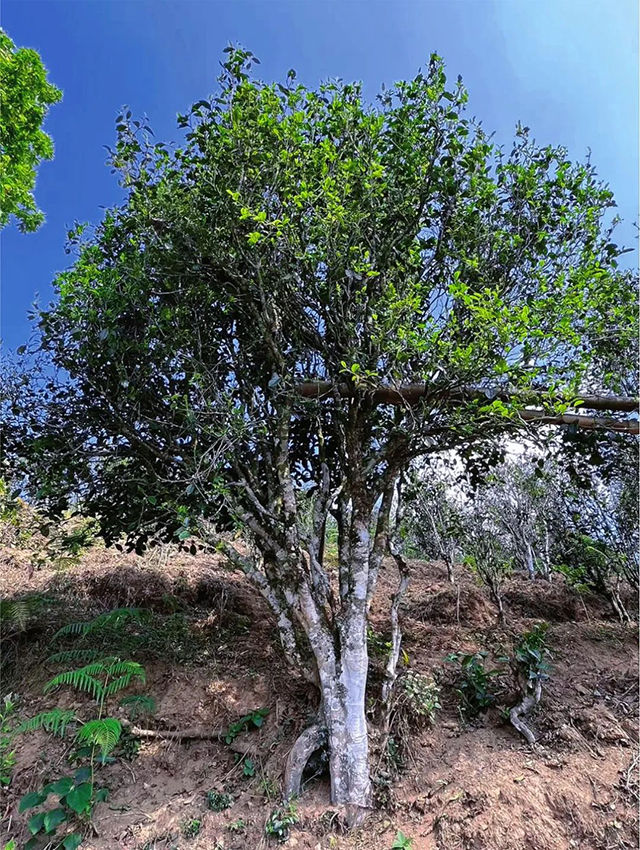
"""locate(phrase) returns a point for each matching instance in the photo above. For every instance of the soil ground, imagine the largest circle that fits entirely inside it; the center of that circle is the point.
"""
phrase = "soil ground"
(211, 655)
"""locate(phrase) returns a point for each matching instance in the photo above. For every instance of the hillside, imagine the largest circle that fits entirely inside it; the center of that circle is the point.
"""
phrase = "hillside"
(211, 656)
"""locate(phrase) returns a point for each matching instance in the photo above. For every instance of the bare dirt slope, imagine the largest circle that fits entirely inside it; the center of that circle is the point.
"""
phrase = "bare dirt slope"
(211, 655)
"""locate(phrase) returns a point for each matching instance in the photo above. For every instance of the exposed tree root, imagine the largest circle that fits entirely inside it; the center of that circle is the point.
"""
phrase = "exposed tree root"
(307, 743)
(237, 746)
(531, 699)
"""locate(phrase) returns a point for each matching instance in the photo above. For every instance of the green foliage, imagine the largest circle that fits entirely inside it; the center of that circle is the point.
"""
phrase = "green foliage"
(254, 719)
(16, 611)
(419, 696)
(26, 98)
(401, 842)
(191, 828)
(237, 826)
(100, 679)
(474, 686)
(54, 721)
(114, 619)
(97, 737)
(76, 799)
(531, 653)
(7, 753)
(395, 242)
(218, 801)
(103, 734)
(378, 645)
(138, 705)
(280, 821)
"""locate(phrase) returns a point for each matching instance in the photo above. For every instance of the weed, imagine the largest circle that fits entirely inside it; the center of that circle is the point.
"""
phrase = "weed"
(138, 705)
(7, 754)
(248, 768)
(190, 828)
(269, 788)
(419, 695)
(218, 801)
(237, 826)
(254, 719)
(378, 645)
(475, 682)
(281, 820)
(128, 746)
(402, 842)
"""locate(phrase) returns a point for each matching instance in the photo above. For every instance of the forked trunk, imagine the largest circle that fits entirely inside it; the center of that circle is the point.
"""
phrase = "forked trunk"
(342, 661)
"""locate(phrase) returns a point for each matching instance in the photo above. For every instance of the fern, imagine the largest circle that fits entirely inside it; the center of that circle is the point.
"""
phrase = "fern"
(126, 668)
(54, 721)
(104, 734)
(138, 704)
(107, 620)
(74, 655)
(17, 611)
(82, 679)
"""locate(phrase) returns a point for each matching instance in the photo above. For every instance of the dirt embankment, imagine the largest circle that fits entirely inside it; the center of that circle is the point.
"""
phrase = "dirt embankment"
(211, 655)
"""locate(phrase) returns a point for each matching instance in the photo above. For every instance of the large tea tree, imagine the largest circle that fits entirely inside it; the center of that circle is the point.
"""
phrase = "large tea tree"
(305, 236)
(25, 98)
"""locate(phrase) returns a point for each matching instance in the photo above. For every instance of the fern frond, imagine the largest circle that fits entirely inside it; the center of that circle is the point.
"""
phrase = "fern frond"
(118, 684)
(81, 680)
(102, 621)
(130, 668)
(100, 733)
(16, 611)
(55, 721)
(138, 704)
(73, 655)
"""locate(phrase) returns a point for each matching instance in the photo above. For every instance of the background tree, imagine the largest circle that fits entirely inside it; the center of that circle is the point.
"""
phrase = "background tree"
(304, 235)
(434, 516)
(25, 98)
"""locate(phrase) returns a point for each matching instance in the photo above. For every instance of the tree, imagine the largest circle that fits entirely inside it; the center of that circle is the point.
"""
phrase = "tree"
(303, 235)
(435, 516)
(26, 98)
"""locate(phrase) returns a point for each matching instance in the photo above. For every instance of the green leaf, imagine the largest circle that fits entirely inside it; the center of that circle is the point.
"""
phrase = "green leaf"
(79, 798)
(33, 798)
(53, 819)
(35, 823)
(82, 774)
(71, 842)
(61, 786)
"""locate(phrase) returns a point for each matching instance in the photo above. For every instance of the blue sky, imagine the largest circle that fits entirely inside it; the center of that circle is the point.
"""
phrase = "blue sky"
(566, 68)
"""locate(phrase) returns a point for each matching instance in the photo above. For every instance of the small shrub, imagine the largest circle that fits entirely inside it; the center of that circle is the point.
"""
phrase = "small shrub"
(218, 801)
(237, 826)
(190, 828)
(419, 694)
(532, 653)
(281, 820)
(474, 687)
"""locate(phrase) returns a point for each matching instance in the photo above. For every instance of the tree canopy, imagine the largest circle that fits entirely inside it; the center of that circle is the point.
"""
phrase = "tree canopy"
(26, 97)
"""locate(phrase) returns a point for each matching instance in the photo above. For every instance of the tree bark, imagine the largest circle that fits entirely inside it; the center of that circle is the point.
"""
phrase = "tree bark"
(309, 741)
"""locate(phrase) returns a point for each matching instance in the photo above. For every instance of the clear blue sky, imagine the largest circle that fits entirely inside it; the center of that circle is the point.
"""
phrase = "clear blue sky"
(566, 68)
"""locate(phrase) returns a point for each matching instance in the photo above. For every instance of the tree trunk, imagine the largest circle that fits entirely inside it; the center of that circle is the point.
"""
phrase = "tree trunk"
(528, 560)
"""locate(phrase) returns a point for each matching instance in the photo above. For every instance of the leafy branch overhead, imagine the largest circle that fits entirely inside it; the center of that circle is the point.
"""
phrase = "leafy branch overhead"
(26, 98)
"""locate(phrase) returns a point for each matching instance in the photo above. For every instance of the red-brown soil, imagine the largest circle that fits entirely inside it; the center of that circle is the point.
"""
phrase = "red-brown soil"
(214, 655)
